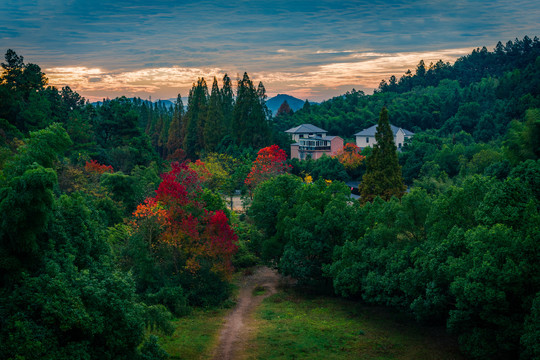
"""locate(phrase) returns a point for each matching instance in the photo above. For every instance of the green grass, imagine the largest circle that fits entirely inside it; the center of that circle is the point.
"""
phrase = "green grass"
(195, 336)
(258, 290)
(291, 326)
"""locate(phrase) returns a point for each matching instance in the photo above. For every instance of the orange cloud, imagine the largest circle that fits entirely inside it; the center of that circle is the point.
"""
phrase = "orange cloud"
(363, 70)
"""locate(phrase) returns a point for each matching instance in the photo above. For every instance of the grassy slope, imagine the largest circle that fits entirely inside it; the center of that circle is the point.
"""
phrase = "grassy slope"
(298, 327)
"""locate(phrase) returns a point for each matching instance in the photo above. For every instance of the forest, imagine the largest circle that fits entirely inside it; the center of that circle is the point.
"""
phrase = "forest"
(117, 217)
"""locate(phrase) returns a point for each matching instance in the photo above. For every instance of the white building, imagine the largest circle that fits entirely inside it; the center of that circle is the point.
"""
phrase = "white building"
(304, 131)
(366, 137)
(312, 142)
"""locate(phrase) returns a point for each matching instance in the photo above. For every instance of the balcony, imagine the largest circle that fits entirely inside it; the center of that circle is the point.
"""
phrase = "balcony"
(314, 148)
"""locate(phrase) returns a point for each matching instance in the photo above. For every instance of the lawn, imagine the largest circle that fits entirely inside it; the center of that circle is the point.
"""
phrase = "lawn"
(293, 326)
(195, 335)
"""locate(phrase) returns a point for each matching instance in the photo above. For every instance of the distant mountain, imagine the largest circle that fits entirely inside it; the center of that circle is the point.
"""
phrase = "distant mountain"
(275, 102)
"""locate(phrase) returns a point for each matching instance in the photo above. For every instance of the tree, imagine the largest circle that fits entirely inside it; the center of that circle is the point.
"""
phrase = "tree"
(285, 109)
(195, 119)
(227, 102)
(270, 162)
(187, 238)
(176, 137)
(350, 158)
(250, 119)
(214, 128)
(383, 173)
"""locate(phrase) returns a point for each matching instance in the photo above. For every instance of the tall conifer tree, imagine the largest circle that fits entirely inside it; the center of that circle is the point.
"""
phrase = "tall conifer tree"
(195, 119)
(227, 102)
(176, 137)
(214, 128)
(383, 173)
(250, 120)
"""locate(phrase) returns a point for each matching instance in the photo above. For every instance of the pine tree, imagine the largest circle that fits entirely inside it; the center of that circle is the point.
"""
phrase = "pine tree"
(214, 128)
(383, 173)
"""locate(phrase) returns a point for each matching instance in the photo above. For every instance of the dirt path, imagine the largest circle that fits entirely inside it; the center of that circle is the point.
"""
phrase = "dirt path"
(235, 333)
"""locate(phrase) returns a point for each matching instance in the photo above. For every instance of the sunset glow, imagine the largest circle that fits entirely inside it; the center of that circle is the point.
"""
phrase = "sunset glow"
(309, 49)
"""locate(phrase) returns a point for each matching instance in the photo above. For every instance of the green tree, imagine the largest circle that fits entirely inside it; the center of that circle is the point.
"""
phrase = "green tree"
(383, 173)
(250, 119)
(176, 137)
(214, 128)
(196, 118)
(227, 105)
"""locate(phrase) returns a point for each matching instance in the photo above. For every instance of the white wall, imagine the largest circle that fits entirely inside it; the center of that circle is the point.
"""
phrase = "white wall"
(362, 142)
(399, 138)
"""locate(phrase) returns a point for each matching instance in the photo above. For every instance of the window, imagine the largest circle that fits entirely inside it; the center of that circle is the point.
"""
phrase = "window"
(367, 139)
(399, 145)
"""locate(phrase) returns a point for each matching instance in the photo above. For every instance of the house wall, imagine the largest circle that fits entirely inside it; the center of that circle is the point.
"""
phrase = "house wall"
(361, 141)
(294, 152)
(399, 139)
(336, 145)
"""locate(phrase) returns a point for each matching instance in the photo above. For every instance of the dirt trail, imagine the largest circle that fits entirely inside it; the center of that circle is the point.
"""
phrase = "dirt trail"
(235, 333)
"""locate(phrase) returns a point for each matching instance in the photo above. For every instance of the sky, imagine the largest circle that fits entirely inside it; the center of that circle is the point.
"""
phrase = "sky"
(309, 49)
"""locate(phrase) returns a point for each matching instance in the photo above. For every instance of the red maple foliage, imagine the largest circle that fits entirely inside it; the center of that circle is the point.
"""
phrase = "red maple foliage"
(185, 225)
(96, 168)
(269, 163)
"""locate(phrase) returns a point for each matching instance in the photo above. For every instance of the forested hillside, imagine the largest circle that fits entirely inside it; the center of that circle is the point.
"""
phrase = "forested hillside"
(480, 93)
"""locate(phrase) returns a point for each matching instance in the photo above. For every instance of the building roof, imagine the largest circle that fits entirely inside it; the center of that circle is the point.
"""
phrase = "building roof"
(370, 131)
(327, 138)
(305, 129)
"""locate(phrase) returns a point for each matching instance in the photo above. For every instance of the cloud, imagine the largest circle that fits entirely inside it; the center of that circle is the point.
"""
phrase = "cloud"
(302, 39)
(361, 70)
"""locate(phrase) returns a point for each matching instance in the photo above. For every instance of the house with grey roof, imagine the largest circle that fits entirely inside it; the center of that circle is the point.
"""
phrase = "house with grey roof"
(312, 142)
(366, 137)
(305, 131)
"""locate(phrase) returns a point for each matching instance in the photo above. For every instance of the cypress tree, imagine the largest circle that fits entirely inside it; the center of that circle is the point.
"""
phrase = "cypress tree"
(250, 125)
(383, 173)
(214, 128)
(176, 137)
(195, 119)
(227, 103)
(307, 107)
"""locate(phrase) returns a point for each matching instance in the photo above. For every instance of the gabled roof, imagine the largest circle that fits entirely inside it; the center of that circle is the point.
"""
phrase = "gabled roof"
(370, 131)
(306, 129)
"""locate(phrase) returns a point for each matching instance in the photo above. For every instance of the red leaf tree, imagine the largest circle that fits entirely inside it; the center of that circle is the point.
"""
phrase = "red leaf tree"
(176, 218)
(94, 167)
(270, 162)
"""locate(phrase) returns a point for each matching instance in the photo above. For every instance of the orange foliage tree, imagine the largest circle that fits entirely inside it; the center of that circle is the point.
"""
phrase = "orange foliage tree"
(350, 157)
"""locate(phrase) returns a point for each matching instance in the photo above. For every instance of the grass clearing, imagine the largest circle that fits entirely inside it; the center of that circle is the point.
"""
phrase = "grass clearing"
(293, 326)
(195, 335)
